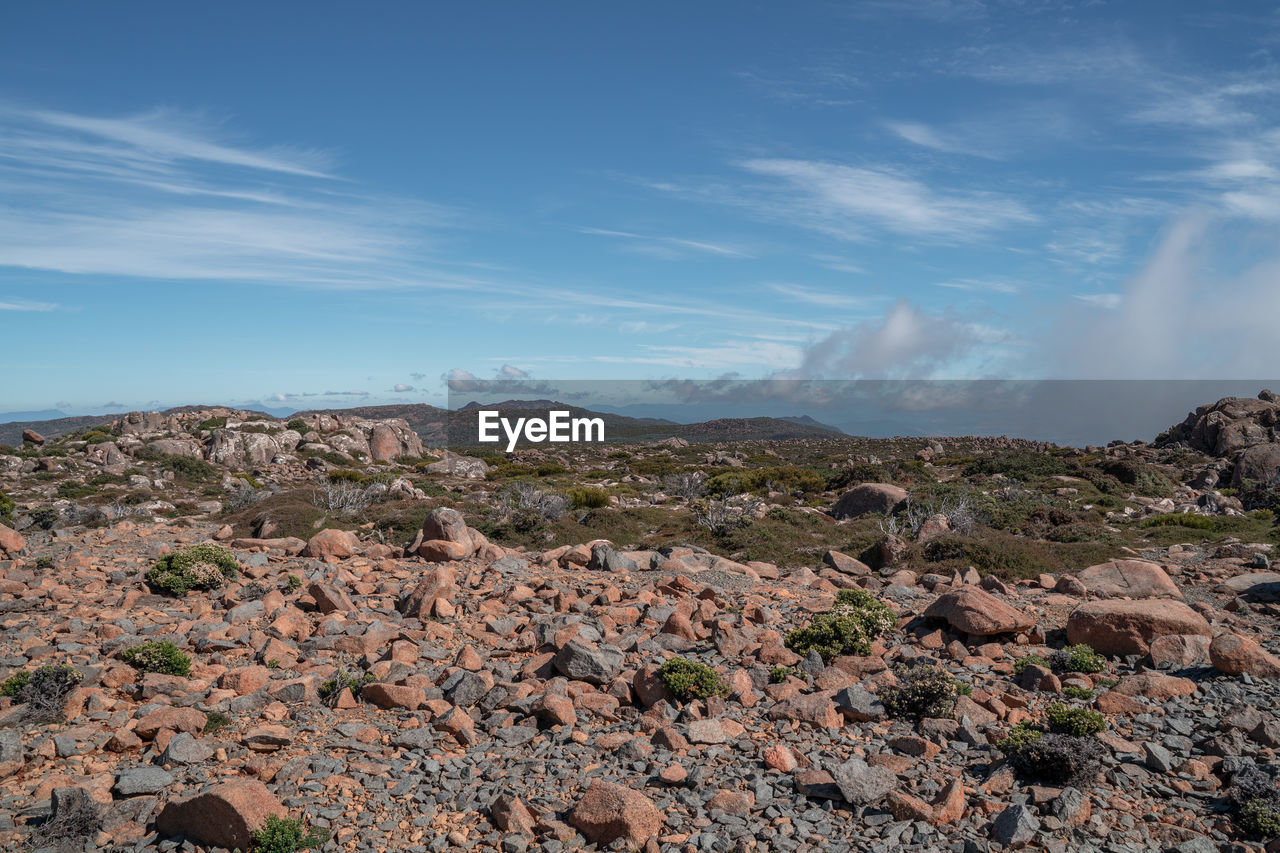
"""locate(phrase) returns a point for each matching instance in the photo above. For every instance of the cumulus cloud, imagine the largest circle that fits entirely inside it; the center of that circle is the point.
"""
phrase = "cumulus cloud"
(510, 371)
(401, 388)
(906, 343)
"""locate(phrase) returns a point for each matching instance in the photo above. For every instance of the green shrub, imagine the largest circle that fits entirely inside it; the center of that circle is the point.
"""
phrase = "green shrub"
(193, 567)
(1259, 818)
(588, 497)
(1078, 722)
(212, 423)
(285, 835)
(783, 478)
(1145, 479)
(158, 656)
(45, 517)
(1019, 737)
(1077, 692)
(331, 689)
(43, 690)
(216, 722)
(1190, 520)
(1079, 658)
(188, 467)
(687, 680)
(1020, 465)
(7, 506)
(1054, 759)
(923, 690)
(779, 674)
(848, 628)
(1021, 664)
(298, 425)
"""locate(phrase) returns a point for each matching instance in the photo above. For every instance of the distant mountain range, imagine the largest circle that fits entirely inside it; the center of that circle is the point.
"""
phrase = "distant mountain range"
(437, 426)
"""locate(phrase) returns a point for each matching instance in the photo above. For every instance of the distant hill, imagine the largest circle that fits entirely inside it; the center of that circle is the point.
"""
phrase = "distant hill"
(438, 427)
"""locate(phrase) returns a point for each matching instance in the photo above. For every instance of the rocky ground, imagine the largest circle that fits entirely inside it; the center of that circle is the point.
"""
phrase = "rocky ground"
(451, 690)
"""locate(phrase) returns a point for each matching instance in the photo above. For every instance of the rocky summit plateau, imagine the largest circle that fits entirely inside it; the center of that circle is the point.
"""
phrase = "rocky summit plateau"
(221, 630)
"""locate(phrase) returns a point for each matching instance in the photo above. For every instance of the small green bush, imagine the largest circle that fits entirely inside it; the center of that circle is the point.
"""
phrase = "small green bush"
(212, 423)
(1079, 658)
(158, 656)
(298, 425)
(848, 628)
(922, 691)
(7, 506)
(1021, 664)
(286, 835)
(687, 680)
(588, 497)
(1078, 722)
(216, 722)
(193, 567)
(779, 674)
(1077, 692)
(1259, 818)
(1019, 737)
(1054, 759)
(43, 690)
(188, 467)
(44, 563)
(331, 689)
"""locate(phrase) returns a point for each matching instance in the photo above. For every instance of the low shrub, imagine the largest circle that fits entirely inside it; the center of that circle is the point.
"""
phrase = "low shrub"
(193, 567)
(216, 722)
(44, 690)
(158, 656)
(1255, 802)
(7, 506)
(1053, 759)
(286, 835)
(1080, 722)
(588, 497)
(779, 674)
(687, 680)
(331, 689)
(848, 628)
(1078, 658)
(298, 425)
(1019, 736)
(923, 690)
(1077, 692)
(1021, 664)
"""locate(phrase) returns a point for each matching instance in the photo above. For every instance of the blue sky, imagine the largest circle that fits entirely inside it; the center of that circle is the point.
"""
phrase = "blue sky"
(319, 204)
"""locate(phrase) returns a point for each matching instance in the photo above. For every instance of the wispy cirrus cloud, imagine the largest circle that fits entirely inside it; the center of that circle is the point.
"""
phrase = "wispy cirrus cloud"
(814, 296)
(667, 246)
(26, 305)
(169, 195)
(850, 201)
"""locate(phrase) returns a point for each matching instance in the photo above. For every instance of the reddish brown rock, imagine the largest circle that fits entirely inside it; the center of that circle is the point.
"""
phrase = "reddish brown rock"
(608, 812)
(1236, 655)
(975, 611)
(438, 584)
(332, 543)
(1179, 650)
(867, 498)
(1128, 578)
(174, 719)
(1155, 686)
(1128, 627)
(330, 598)
(815, 709)
(389, 696)
(510, 814)
(225, 815)
(11, 542)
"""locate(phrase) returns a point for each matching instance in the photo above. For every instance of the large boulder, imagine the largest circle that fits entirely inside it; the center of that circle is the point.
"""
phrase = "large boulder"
(861, 784)
(973, 610)
(608, 812)
(439, 584)
(332, 542)
(1260, 585)
(592, 664)
(1259, 463)
(11, 542)
(454, 465)
(1128, 578)
(1128, 627)
(868, 498)
(1236, 655)
(225, 815)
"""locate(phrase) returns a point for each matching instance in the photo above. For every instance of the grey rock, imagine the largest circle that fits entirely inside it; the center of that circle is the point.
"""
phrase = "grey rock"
(860, 783)
(607, 559)
(142, 780)
(1015, 826)
(11, 759)
(859, 704)
(592, 664)
(1158, 758)
(183, 748)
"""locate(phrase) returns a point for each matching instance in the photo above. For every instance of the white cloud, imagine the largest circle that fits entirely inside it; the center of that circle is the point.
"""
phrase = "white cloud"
(847, 201)
(25, 305)
(811, 296)
(165, 195)
(510, 371)
(982, 285)
(906, 343)
(401, 388)
(666, 246)
(1110, 301)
